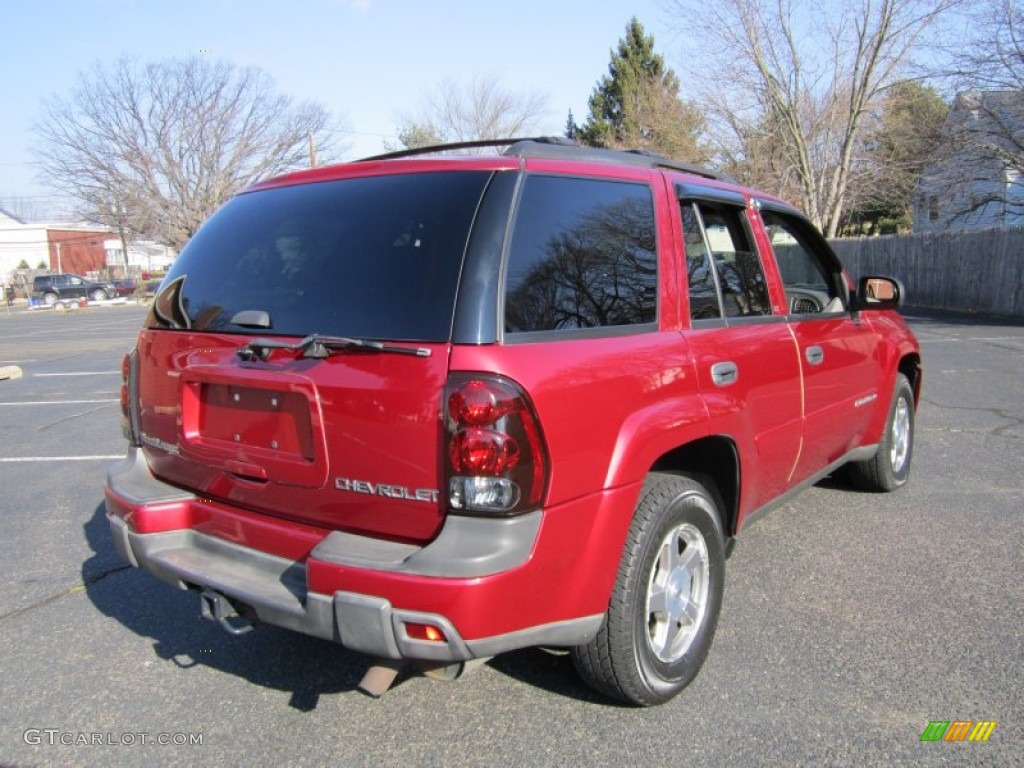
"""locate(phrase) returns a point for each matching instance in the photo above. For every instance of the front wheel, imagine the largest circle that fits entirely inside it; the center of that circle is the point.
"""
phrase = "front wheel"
(98, 295)
(890, 467)
(667, 596)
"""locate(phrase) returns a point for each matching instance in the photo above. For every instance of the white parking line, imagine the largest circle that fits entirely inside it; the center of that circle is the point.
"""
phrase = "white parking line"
(80, 373)
(27, 459)
(981, 338)
(62, 402)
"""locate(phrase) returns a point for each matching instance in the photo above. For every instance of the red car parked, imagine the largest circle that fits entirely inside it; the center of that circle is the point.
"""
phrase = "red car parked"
(435, 409)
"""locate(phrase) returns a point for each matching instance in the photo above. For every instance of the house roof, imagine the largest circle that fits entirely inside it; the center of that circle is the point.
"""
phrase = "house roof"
(995, 115)
(9, 218)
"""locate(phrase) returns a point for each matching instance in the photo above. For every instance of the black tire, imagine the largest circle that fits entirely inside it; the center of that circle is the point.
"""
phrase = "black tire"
(99, 295)
(890, 466)
(49, 299)
(675, 553)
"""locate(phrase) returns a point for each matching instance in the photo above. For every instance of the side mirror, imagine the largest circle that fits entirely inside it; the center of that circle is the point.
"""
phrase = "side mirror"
(876, 292)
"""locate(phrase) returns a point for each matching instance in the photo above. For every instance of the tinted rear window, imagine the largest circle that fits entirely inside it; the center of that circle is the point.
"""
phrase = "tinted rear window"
(375, 257)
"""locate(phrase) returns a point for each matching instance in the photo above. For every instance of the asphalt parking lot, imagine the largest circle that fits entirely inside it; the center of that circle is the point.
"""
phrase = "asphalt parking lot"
(850, 620)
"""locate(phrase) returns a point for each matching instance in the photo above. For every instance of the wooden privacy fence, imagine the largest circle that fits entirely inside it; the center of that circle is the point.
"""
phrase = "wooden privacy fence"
(965, 271)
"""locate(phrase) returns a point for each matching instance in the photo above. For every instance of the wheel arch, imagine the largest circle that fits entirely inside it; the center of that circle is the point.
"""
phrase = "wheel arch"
(716, 458)
(910, 366)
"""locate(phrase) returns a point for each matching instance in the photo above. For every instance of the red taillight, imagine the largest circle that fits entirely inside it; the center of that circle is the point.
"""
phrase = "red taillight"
(483, 451)
(129, 398)
(496, 458)
(477, 404)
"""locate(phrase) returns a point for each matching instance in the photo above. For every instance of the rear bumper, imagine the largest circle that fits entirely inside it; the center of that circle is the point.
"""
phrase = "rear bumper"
(490, 586)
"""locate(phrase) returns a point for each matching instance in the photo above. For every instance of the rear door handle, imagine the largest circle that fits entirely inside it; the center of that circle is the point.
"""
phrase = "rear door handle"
(815, 355)
(725, 373)
(244, 470)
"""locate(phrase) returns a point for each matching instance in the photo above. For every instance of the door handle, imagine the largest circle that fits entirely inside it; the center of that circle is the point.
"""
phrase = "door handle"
(815, 355)
(245, 470)
(724, 374)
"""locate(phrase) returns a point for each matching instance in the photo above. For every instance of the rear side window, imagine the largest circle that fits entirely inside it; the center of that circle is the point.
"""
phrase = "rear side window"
(705, 303)
(376, 257)
(725, 274)
(583, 255)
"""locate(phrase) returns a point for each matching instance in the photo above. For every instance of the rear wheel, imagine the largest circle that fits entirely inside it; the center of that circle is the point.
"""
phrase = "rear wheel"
(98, 295)
(49, 299)
(665, 603)
(890, 467)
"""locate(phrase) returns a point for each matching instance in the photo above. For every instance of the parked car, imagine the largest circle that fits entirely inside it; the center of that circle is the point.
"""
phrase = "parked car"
(49, 289)
(126, 287)
(140, 288)
(436, 409)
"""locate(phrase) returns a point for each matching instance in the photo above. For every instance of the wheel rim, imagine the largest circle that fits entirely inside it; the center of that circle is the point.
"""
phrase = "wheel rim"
(900, 435)
(677, 593)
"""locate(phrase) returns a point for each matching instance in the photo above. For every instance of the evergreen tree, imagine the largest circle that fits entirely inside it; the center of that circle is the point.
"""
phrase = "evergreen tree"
(572, 131)
(637, 105)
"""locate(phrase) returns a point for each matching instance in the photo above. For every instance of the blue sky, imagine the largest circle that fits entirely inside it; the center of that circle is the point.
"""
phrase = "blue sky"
(365, 60)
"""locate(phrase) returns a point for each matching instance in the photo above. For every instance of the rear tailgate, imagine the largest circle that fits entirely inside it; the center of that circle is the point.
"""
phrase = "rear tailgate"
(346, 442)
(339, 438)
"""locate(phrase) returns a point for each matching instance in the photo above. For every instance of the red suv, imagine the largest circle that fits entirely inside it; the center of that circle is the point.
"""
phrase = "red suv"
(435, 409)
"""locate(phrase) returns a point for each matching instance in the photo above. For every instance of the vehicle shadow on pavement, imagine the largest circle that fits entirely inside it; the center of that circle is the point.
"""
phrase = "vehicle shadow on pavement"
(550, 671)
(303, 666)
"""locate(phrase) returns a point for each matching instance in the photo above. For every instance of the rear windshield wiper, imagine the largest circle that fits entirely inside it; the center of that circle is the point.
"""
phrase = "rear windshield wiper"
(318, 346)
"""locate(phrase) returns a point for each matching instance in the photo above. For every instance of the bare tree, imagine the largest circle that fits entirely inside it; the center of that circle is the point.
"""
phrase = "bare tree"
(993, 58)
(786, 75)
(480, 109)
(21, 207)
(154, 149)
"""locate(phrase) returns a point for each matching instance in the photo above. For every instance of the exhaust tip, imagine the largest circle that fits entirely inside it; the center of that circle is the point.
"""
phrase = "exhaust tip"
(380, 677)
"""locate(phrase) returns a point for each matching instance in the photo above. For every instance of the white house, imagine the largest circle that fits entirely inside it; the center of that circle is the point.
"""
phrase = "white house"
(976, 180)
(143, 255)
(77, 247)
(21, 241)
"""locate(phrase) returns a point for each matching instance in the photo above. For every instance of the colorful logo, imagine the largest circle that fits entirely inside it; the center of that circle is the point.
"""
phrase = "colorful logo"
(958, 730)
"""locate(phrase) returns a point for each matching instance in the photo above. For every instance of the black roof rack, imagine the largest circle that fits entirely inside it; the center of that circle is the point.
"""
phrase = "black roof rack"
(560, 148)
(435, 148)
(565, 149)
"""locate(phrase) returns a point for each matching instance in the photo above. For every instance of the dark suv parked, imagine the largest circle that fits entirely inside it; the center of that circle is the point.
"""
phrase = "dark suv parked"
(49, 289)
(435, 409)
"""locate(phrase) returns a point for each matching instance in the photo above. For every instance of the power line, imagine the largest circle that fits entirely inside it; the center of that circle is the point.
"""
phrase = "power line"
(62, 240)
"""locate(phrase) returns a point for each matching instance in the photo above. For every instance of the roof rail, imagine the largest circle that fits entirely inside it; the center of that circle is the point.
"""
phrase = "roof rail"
(560, 148)
(566, 150)
(434, 148)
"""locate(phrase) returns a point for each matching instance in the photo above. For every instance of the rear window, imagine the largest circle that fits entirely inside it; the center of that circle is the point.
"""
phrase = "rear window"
(375, 257)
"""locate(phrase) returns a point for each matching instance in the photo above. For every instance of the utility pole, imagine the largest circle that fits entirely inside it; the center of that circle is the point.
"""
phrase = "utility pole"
(312, 150)
(59, 270)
